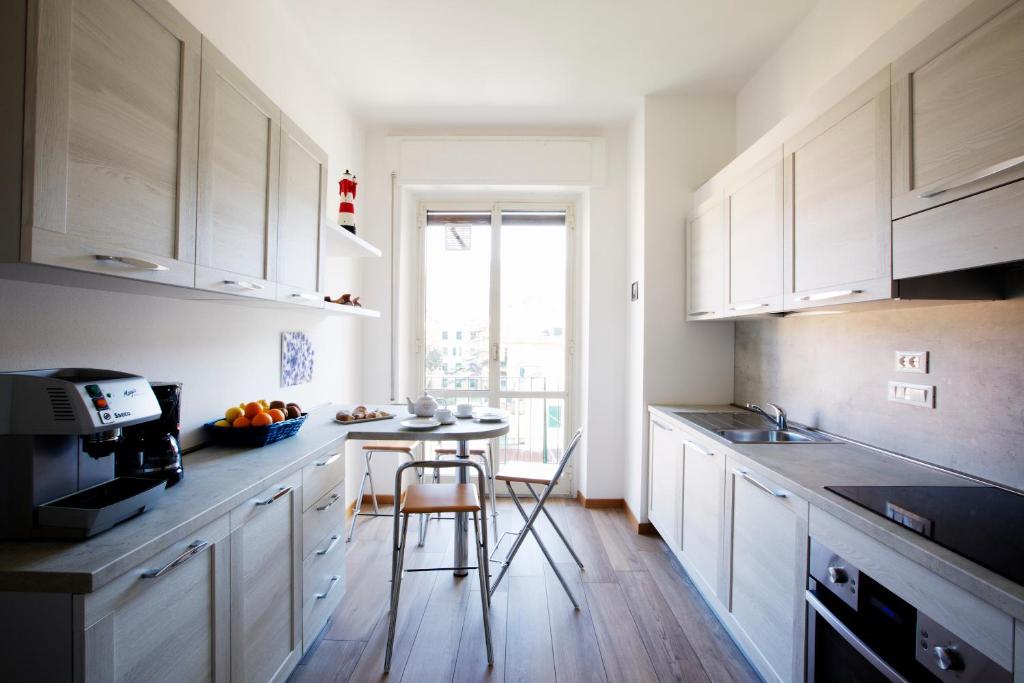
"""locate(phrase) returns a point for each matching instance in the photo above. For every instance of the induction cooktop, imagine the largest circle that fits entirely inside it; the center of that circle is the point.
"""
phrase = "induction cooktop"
(985, 524)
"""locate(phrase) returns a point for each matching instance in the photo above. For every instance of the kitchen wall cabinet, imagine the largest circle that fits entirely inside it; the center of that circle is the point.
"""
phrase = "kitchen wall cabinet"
(266, 583)
(703, 513)
(838, 237)
(110, 131)
(767, 544)
(705, 261)
(167, 620)
(665, 490)
(239, 148)
(754, 235)
(302, 212)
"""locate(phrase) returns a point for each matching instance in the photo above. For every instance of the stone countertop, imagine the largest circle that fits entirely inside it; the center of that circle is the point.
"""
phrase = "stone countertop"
(807, 468)
(216, 480)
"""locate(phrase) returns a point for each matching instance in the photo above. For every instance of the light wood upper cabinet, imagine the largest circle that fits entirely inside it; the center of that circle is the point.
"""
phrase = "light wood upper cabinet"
(768, 570)
(958, 109)
(166, 620)
(837, 204)
(665, 490)
(705, 262)
(239, 146)
(703, 512)
(111, 130)
(266, 583)
(302, 210)
(754, 233)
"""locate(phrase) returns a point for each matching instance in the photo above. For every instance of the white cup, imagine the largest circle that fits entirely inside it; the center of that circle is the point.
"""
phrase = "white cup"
(464, 410)
(444, 416)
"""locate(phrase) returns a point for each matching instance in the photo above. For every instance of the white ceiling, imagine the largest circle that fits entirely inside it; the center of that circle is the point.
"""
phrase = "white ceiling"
(536, 61)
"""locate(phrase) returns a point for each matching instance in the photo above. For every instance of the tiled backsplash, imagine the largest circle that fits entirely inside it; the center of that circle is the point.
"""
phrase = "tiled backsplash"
(832, 372)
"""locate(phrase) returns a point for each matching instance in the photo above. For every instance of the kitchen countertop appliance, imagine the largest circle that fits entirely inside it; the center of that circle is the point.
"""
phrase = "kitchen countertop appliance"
(150, 449)
(59, 431)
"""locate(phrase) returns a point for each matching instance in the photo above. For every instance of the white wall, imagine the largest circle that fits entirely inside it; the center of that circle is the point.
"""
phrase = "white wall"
(223, 353)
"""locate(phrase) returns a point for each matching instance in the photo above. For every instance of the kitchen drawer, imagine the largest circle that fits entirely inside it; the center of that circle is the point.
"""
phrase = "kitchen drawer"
(323, 584)
(322, 518)
(323, 474)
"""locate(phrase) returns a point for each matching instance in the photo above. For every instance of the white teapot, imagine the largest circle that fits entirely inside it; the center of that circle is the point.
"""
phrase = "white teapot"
(424, 406)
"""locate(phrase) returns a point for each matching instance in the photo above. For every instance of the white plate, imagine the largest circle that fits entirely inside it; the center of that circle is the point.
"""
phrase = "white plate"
(490, 415)
(420, 423)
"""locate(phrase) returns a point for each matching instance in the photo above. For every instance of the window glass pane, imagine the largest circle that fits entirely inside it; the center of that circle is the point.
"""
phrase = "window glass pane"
(536, 430)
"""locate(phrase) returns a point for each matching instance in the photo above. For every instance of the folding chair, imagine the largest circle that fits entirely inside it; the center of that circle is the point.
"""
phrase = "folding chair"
(530, 473)
(402, 448)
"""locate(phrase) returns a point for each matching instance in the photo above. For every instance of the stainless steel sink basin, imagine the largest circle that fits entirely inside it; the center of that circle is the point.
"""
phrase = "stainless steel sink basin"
(770, 436)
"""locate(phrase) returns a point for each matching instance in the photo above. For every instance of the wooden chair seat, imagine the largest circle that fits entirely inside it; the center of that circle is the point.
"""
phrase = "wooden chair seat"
(390, 446)
(527, 472)
(454, 451)
(425, 498)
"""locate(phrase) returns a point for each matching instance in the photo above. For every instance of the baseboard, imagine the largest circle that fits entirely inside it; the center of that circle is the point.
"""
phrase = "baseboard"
(598, 503)
(644, 528)
(382, 499)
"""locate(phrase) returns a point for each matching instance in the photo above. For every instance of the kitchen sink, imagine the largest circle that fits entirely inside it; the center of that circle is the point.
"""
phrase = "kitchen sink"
(770, 436)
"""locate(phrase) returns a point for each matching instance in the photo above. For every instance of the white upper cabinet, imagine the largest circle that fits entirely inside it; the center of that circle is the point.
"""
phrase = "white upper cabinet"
(111, 126)
(958, 109)
(302, 209)
(705, 261)
(837, 203)
(754, 238)
(239, 145)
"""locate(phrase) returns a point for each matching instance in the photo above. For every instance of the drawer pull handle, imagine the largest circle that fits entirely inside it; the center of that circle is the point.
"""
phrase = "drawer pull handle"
(699, 449)
(330, 546)
(193, 549)
(976, 176)
(764, 487)
(244, 284)
(327, 506)
(330, 459)
(695, 313)
(141, 264)
(334, 582)
(281, 493)
(307, 296)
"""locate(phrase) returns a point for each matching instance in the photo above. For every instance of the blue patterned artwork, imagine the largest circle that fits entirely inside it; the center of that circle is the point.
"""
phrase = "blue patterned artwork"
(296, 359)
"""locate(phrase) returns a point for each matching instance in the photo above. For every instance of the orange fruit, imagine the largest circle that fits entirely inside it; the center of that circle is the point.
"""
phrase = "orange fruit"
(253, 409)
(277, 414)
(242, 421)
(262, 420)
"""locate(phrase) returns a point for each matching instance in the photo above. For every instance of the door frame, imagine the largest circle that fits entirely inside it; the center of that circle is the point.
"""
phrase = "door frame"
(495, 206)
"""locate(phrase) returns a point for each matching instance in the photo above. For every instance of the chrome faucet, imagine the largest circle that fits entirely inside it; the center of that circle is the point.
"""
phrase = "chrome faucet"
(780, 414)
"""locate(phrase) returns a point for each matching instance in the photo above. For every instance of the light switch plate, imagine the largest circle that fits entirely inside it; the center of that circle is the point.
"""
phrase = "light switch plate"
(912, 361)
(920, 395)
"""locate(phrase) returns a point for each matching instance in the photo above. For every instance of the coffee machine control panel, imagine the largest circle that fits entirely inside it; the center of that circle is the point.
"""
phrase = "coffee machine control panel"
(119, 402)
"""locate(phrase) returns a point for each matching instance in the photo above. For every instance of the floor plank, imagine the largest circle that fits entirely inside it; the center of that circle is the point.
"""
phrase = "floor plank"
(622, 650)
(472, 659)
(572, 632)
(621, 550)
(367, 593)
(587, 543)
(436, 647)
(331, 662)
(528, 654)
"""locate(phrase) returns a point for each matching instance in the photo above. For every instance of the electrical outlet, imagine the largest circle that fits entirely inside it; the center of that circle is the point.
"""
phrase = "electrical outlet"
(912, 361)
(920, 395)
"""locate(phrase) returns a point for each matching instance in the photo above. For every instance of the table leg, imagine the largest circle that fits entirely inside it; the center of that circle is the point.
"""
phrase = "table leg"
(461, 544)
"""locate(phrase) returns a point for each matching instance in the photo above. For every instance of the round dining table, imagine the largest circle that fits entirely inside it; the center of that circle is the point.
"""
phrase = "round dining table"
(462, 432)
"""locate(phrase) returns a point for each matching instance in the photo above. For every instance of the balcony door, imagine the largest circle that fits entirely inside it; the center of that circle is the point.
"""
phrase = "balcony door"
(496, 319)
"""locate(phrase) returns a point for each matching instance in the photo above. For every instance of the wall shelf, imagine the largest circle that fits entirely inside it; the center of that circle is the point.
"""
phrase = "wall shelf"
(358, 311)
(341, 242)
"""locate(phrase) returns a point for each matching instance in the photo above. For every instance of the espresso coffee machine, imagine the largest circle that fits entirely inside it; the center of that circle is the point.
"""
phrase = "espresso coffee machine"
(59, 431)
(151, 450)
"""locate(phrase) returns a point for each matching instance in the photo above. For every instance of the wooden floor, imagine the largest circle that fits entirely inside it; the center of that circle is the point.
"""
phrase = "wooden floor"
(640, 618)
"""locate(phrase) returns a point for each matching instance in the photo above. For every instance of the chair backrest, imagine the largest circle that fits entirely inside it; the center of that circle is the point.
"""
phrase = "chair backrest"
(564, 460)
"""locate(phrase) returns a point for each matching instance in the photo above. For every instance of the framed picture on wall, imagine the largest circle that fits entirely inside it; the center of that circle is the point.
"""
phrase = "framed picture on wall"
(296, 359)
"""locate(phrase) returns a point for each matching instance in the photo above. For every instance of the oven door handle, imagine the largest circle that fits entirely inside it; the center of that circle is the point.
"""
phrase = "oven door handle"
(850, 637)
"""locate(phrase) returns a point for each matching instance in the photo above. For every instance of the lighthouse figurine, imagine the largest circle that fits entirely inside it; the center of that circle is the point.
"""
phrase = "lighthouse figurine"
(347, 208)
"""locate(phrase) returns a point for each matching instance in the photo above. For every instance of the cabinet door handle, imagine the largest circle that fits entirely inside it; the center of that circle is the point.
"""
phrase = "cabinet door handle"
(307, 296)
(334, 499)
(660, 426)
(141, 264)
(702, 313)
(244, 284)
(330, 459)
(975, 176)
(747, 307)
(759, 485)
(330, 546)
(281, 493)
(334, 582)
(191, 551)
(696, 447)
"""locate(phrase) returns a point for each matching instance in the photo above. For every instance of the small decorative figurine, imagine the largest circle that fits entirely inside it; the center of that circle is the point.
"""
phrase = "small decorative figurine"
(347, 208)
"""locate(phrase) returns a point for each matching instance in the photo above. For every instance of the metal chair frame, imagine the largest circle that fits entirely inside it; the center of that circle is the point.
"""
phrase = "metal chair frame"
(399, 543)
(368, 476)
(530, 518)
(488, 462)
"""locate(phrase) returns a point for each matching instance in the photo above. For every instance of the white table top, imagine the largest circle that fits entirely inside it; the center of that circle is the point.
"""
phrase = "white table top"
(464, 429)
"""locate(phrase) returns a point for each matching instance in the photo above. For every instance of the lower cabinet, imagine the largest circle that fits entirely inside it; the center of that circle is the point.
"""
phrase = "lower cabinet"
(703, 513)
(767, 543)
(166, 620)
(266, 583)
(664, 507)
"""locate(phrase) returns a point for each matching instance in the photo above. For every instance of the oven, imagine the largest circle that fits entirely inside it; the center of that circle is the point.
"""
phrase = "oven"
(858, 631)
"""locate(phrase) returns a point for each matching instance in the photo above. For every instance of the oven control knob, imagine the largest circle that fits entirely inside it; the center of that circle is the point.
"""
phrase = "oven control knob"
(948, 659)
(838, 575)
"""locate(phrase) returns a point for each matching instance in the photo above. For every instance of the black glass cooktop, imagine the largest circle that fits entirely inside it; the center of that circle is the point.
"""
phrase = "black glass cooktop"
(983, 523)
